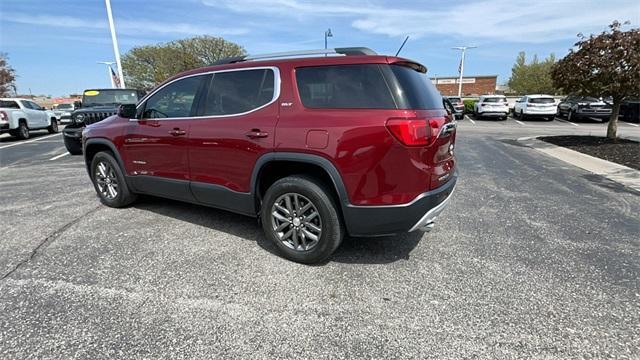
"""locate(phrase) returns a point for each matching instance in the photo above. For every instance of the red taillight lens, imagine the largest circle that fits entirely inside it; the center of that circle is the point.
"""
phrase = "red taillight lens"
(3, 116)
(415, 132)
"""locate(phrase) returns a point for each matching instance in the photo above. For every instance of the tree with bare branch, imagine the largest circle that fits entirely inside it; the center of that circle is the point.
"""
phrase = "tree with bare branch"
(7, 77)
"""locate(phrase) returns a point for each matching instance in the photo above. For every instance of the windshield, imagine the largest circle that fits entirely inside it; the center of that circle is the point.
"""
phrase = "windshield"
(64, 107)
(495, 99)
(589, 99)
(109, 97)
(542, 100)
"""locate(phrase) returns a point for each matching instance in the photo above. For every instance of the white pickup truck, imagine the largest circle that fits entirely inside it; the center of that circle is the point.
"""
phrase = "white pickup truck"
(19, 116)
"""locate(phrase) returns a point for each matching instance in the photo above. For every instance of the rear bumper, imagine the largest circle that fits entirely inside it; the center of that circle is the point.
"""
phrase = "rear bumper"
(493, 113)
(393, 219)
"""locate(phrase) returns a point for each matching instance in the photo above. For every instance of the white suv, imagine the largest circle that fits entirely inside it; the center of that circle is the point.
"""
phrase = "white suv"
(542, 106)
(491, 106)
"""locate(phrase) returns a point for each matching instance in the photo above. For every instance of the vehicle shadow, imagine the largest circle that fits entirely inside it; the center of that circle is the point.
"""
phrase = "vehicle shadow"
(33, 134)
(378, 250)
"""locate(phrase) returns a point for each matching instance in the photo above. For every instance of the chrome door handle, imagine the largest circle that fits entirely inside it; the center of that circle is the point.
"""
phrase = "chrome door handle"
(177, 132)
(256, 133)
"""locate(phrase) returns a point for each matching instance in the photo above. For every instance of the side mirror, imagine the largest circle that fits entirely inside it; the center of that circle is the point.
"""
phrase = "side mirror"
(127, 111)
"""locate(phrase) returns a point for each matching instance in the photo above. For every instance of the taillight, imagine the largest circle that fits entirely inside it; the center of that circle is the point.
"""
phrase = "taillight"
(3, 116)
(416, 132)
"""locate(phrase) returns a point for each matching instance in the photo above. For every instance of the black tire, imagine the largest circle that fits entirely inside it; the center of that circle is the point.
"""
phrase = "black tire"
(522, 115)
(53, 128)
(113, 176)
(74, 147)
(22, 132)
(328, 216)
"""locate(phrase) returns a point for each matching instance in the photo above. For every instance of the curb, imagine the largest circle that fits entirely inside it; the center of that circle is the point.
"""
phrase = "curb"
(615, 172)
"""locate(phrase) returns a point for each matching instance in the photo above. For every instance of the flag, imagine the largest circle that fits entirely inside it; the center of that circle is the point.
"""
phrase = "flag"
(114, 76)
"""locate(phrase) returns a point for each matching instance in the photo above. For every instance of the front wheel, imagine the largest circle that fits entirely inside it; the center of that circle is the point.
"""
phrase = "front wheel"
(53, 128)
(300, 217)
(108, 180)
(74, 147)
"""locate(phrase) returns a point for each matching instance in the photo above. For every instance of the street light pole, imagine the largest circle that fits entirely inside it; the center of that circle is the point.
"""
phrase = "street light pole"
(114, 40)
(461, 69)
(327, 34)
(109, 63)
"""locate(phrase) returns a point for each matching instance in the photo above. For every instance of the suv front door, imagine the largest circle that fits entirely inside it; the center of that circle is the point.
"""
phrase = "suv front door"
(235, 126)
(155, 144)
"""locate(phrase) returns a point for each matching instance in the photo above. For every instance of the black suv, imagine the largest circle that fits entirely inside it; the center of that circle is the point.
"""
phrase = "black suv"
(584, 107)
(96, 105)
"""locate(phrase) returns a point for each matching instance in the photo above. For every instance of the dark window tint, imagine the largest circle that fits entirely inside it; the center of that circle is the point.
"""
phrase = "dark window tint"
(173, 100)
(360, 86)
(237, 92)
(8, 104)
(542, 100)
(415, 90)
(494, 100)
(588, 99)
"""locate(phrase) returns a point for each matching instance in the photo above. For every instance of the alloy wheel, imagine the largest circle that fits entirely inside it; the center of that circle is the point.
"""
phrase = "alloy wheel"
(24, 131)
(106, 180)
(296, 222)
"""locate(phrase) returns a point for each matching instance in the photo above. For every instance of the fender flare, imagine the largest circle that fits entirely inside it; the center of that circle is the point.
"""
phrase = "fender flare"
(312, 159)
(110, 145)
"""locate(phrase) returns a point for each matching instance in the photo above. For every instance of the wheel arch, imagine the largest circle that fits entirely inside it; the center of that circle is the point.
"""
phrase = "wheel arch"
(273, 166)
(93, 146)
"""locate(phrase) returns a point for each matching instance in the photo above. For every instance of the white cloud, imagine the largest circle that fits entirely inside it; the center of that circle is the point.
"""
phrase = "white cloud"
(123, 26)
(508, 20)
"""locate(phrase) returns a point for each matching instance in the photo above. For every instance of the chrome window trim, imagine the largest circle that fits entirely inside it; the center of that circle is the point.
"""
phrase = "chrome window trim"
(276, 93)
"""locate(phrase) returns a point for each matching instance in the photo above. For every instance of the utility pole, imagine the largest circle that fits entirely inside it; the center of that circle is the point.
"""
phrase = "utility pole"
(461, 68)
(114, 40)
(327, 34)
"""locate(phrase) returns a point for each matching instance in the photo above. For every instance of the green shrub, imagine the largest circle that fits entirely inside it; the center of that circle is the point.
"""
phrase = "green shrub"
(468, 105)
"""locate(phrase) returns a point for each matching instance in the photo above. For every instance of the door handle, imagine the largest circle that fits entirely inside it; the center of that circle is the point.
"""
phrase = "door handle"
(177, 132)
(256, 133)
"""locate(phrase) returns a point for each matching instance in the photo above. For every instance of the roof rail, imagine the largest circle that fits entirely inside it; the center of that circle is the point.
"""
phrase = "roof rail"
(349, 51)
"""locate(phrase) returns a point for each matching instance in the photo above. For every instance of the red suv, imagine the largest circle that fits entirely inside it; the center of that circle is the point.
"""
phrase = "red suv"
(328, 143)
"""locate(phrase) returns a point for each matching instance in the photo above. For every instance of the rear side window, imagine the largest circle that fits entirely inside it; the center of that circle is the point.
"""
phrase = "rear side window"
(7, 104)
(237, 92)
(494, 100)
(174, 100)
(541, 100)
(358, 86)
(415, 90)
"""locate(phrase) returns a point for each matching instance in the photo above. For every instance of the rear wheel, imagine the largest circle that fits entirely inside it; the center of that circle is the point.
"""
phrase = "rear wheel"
(109, 182)
(522, 115)
(300, 217)
(22, 132)
(53, 128)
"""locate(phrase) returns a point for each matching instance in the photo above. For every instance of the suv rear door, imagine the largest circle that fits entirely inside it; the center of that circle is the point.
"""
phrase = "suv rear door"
(236, 123)
(155, 145)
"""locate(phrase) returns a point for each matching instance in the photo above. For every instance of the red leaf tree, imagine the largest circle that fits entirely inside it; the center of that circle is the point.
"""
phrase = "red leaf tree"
(604, 65)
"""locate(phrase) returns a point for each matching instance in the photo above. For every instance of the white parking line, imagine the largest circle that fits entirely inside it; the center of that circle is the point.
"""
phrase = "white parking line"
(29, 141)
(59, 156)
(568, 122)
(519, 122)
(632, 124)
(470, 119)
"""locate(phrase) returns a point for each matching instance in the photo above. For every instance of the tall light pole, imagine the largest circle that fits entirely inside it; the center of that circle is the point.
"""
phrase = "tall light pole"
(461, 69)
(109, 63)
(327, 34)
(116, 52)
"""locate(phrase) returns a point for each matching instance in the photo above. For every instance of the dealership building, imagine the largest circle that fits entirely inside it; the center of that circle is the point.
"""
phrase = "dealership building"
(471, 85)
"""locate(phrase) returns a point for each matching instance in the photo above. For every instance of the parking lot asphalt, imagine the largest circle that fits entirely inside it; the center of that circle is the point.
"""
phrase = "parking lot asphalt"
(534, 258)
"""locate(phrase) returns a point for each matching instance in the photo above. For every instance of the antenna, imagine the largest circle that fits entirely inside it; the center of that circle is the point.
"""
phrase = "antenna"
(401, 46)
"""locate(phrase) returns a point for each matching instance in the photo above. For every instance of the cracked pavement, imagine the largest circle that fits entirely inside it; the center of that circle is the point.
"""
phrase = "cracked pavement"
(533, 258)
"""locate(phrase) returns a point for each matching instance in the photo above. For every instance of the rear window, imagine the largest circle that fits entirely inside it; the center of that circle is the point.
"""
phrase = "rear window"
(415, 91)
(542, 100)
(8, 104)
(494, 100)
(359, 86)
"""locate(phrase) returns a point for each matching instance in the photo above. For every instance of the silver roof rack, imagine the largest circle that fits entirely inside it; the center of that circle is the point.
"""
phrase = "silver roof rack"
(351, 51)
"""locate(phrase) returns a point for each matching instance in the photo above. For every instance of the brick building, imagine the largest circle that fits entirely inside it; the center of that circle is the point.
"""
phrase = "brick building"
(471, 85)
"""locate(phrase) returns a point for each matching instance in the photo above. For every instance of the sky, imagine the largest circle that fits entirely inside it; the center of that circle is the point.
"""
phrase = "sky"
(54, 45)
